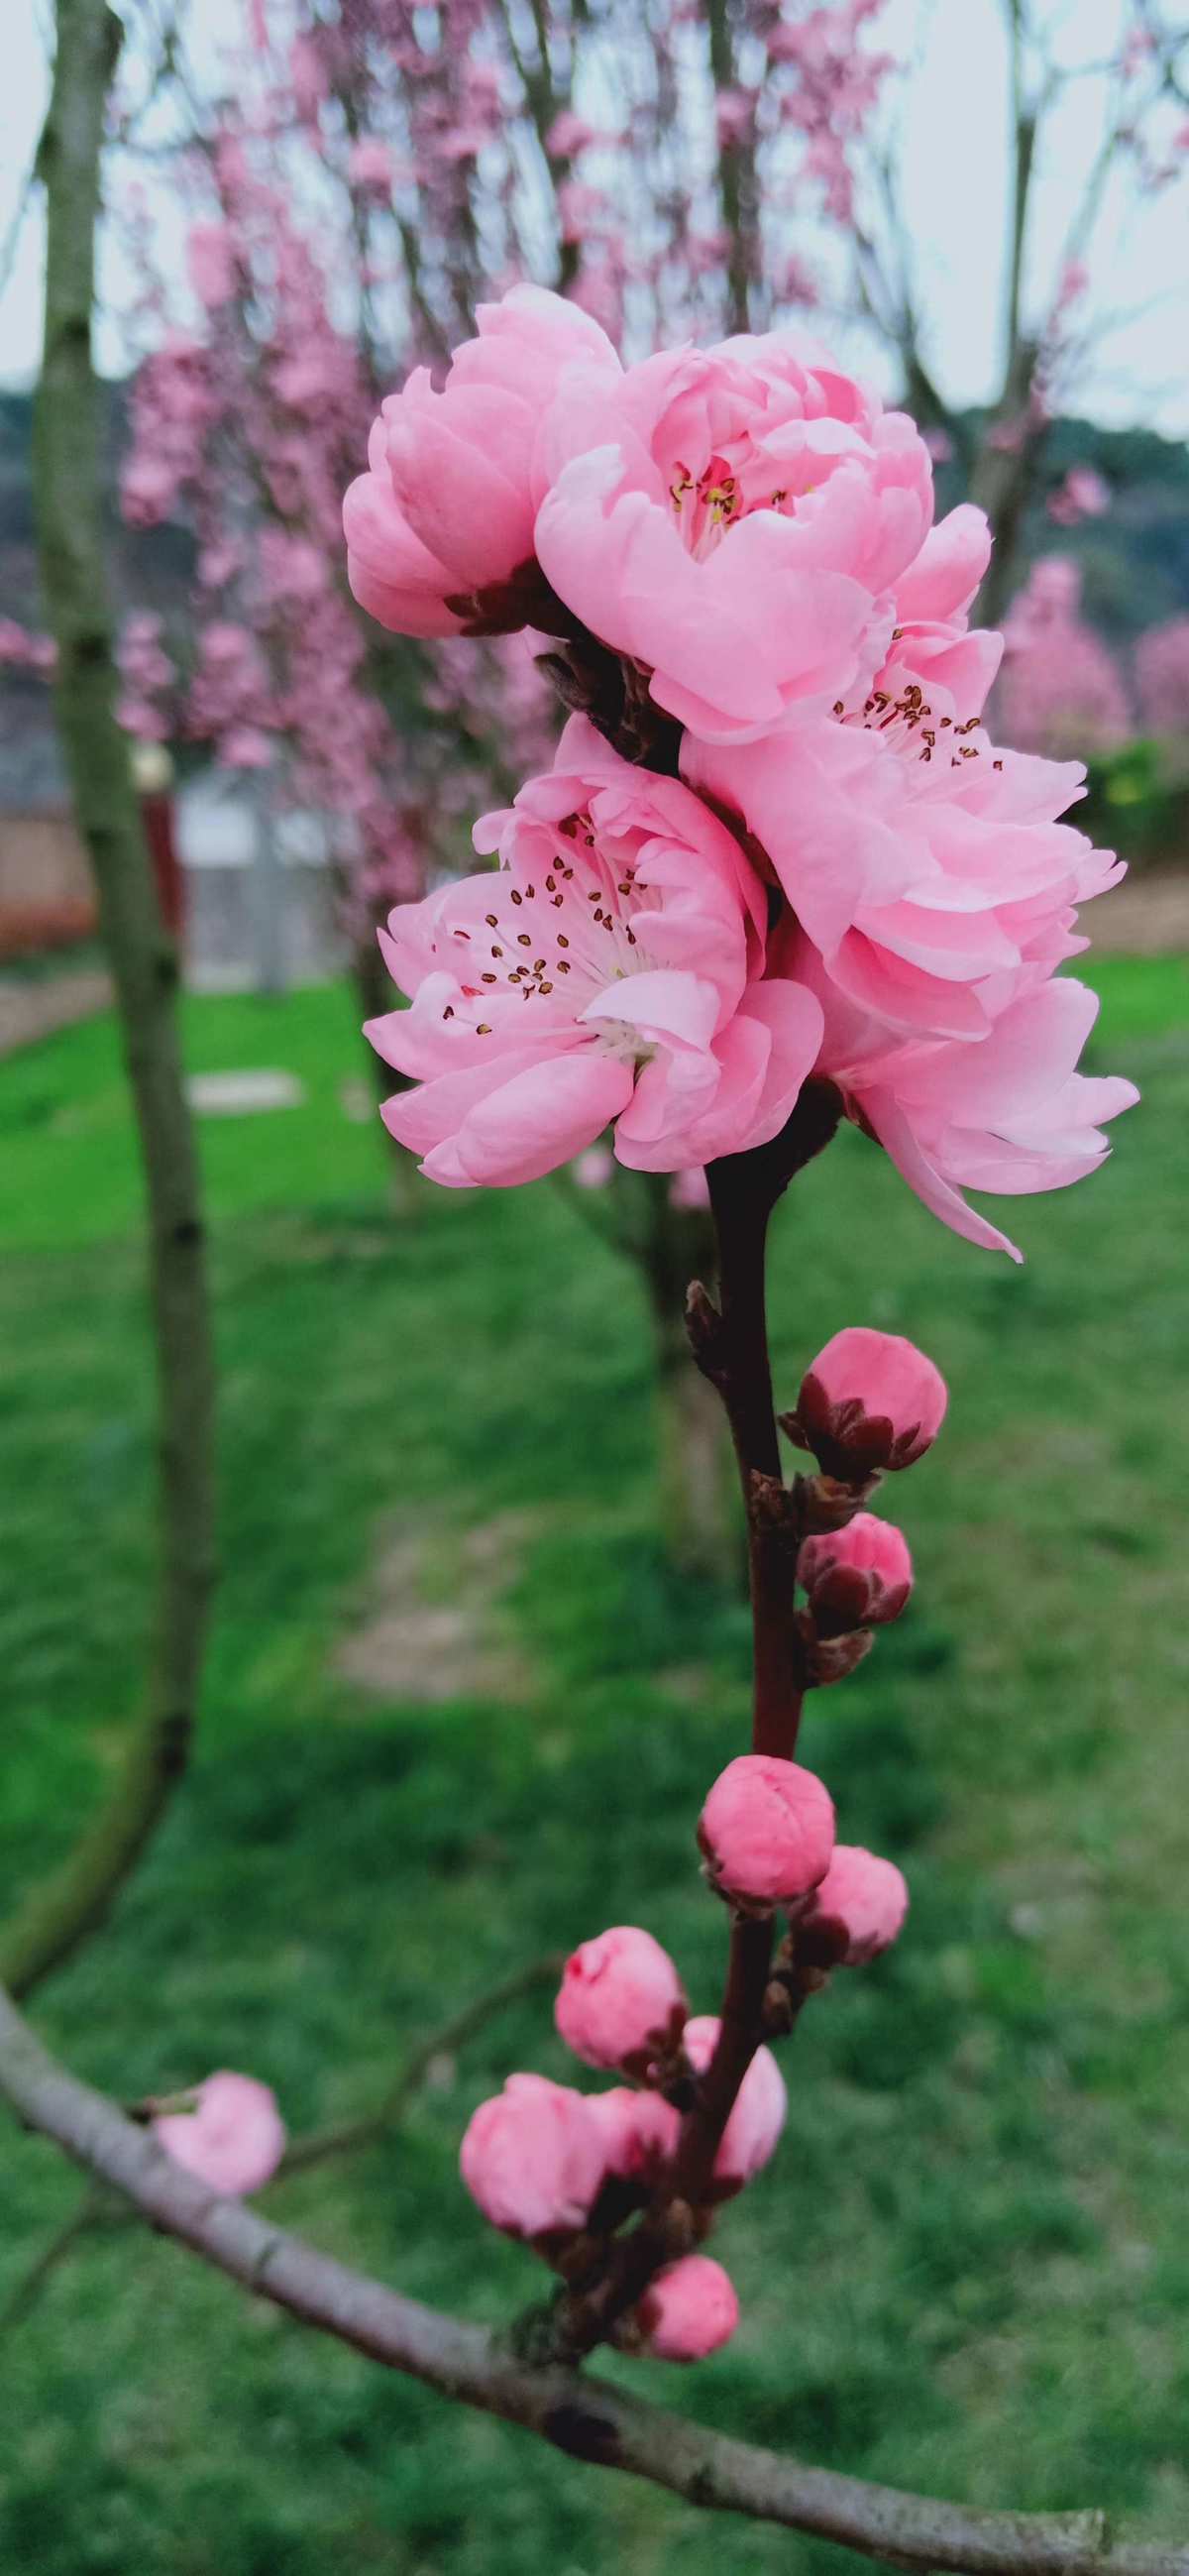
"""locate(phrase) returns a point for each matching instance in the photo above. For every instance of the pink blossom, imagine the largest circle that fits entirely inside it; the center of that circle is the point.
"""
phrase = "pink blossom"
(370, 164)
(734, 110)
(688, 2310)
(867, 1896)
(233, 2139)
(639, 2131)
(444, 516)
(307, 77)
(594, 1168)
(929, 873)
(210, 259)
(580, 208)
(1011, 1115)
(533, 2157)
(1060, 688)
(607, 971)
(245, 747)
(733, 518)
(621, 2001)
(22, 650)
(147, 491)
(767, 1831)
(857, 1577)
(1083, 495)
(757, 2116)
(568, 135)
(870, 1400)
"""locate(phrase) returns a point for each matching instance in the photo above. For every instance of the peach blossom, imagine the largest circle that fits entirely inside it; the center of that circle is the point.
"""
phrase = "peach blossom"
(443, 517)
(233, 2139)
(621, 2000)
(533, 2158)
(767, 1830)
(867, 1896)
(757, 2116)
(857, 1577)
(607, 973)
(870, 1400)
(688, 2310)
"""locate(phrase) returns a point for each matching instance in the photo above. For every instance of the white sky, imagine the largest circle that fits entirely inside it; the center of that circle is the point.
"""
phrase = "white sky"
(952, 162)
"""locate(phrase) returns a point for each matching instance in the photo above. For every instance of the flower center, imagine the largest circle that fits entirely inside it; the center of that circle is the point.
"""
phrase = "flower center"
(903, 715)
(711, 502)
(553, 935)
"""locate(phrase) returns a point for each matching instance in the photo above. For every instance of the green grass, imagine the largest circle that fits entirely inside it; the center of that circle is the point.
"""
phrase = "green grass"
(967, 2268)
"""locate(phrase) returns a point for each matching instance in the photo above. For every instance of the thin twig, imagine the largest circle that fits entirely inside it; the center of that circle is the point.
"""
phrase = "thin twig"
(82, 2221)
(342, 2137)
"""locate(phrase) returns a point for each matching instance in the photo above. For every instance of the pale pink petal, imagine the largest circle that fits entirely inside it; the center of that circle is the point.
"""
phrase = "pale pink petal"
(945, 575)
(542, 1117)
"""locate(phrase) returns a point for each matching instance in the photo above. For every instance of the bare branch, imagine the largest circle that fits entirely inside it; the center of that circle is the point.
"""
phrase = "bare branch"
(577, 2413)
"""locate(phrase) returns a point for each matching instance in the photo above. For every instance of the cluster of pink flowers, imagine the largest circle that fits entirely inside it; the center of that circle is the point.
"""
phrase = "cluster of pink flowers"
(1060, 687)
(563, 2170)
(830, 871)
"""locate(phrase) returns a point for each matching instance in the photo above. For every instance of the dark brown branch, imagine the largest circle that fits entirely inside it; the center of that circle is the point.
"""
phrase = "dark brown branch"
(144, 970)
(731, 1348)
(730, 1345)
(578, 2414)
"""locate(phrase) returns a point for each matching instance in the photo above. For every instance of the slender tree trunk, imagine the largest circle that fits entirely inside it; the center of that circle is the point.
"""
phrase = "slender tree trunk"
(67, 494)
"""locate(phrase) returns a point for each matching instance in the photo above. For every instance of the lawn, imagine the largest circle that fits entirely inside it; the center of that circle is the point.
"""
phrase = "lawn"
(456, 1711)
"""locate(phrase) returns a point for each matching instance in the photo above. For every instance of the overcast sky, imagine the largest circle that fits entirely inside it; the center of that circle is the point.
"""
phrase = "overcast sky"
(952, 169)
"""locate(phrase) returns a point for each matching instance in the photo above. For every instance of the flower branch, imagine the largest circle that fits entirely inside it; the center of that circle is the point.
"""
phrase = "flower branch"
(574, 2412)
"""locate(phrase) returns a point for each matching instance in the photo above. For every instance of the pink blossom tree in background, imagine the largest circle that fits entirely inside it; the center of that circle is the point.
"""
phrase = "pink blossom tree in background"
(1060, 689)
(1052, 330)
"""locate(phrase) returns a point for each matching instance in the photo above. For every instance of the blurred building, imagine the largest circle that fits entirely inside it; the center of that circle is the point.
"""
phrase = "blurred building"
(258, 900)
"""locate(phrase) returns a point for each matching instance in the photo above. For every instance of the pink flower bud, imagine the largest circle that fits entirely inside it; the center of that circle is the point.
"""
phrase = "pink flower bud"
(857, 1577)
(757, 2118)
(533, 2157)
(864, 1895)
(621, 2001)
(767, 1830)
(640, 2132)
(233, 2139)
(869, 1400)
(688, 2310)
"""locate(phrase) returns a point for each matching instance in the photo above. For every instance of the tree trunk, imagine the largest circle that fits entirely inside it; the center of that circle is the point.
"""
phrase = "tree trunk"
(695, 1484)
(695, 1472)
(67, 467)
